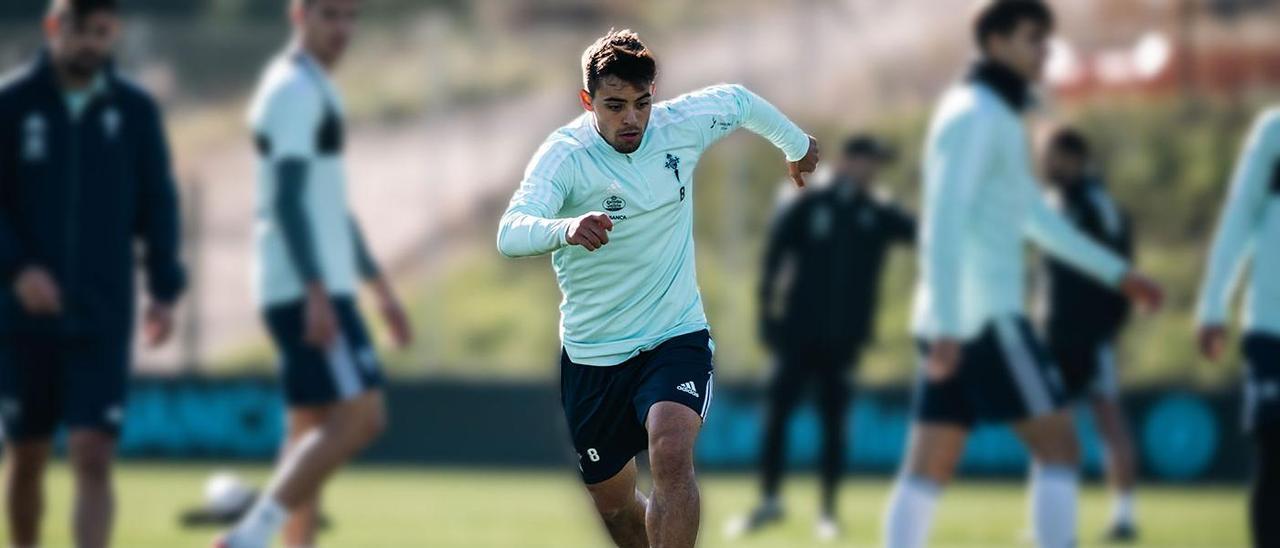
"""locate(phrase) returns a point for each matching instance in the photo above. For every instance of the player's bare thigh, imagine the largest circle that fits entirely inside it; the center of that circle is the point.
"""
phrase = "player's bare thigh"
(615, 494)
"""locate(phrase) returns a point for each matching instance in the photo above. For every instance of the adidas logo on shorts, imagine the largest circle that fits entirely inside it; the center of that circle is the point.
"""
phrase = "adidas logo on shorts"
(689, 388)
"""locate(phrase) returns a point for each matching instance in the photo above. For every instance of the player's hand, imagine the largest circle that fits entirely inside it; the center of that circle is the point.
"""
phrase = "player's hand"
(157, 324)
(590, 231)
(321, 327)
(807, 164)
(1144, 291)
(38, 292)
(1213, 341)
(943, 360)
(393, 314)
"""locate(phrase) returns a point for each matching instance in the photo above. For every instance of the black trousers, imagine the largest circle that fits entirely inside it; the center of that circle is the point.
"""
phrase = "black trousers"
(1264, 496)
(827, 370)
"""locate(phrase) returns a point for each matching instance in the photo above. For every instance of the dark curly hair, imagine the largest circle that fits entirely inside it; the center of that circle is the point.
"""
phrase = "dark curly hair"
(619, 53)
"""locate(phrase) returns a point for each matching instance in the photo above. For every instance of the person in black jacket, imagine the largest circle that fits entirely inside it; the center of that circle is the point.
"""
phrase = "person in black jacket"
(1081, 319)
(818, 301)
(84, 177)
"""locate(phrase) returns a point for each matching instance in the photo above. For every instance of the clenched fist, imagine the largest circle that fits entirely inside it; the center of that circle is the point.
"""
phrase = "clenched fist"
(590, 231)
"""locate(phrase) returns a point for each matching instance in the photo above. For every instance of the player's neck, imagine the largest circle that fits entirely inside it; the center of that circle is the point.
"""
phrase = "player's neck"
(300, 45)
(1004, 80)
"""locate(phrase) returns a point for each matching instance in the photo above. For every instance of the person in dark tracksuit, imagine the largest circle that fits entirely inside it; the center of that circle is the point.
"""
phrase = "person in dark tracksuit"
(84, 178)
(818, 299)
(1081, 319)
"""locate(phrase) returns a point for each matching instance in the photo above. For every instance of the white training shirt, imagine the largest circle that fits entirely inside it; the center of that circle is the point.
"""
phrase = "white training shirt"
(297, 114)
(981, 206)
(1249, 228)
(641, 289)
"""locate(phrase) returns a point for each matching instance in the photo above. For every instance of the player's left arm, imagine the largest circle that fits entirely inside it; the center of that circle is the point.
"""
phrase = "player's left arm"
(1053, 232)
(389, 304)
(1234, 241)
(901, 225)
(158, 225)
(732, 106)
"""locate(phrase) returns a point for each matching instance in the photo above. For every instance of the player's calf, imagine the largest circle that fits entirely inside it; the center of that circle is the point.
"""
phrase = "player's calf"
(1055, 484)
(24, 497)
(674, 509)
(91, 453)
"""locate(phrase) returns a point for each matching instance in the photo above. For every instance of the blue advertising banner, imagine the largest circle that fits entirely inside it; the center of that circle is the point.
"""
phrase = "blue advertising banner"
(1181, 436)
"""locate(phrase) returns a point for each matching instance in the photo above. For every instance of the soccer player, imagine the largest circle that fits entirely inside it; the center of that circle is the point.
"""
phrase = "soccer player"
(310, 258)
(832, 245)
(610, 196)
(979, 358)
(1250, 229)
(1081, 318)
(84, 178)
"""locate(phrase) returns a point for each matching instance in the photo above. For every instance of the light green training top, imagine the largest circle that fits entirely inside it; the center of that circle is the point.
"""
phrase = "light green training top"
(641, 289)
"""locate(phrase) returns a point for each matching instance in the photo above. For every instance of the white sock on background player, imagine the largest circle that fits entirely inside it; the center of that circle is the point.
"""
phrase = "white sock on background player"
(1122, 508)
(910, 513)
(259, 526)
(1053, 505)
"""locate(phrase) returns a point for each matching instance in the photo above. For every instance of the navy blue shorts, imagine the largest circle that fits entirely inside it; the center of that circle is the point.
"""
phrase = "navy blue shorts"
(606, 407)
(314, 377)
(1261, 383)
(46, 381)
(1088, 369)
(1005, 375)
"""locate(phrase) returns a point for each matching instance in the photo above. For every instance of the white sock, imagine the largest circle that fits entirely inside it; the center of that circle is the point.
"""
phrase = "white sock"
(259, 526)
(1053, 505)
(910, 512)
(1122, 508)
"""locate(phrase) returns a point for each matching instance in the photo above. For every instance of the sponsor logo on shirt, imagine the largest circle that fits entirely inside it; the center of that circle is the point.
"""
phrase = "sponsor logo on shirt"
(614, 203)
(111, 122)
(34, 143)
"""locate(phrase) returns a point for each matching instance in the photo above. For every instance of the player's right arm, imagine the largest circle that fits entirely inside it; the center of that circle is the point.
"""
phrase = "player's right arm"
(1237, 227)
(959, 157)
(530, 226)
(293, 113)
(34, 285)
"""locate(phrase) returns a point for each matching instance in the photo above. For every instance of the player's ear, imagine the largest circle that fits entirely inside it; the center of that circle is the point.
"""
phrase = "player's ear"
(297, 13)
(52, 25)
(585, 97)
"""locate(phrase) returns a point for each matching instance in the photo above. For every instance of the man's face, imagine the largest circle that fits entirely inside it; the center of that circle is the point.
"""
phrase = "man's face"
(1063, 168)
(622, 111)
(81, 46)
(1025, 50)
(860, 169)
(327, 27)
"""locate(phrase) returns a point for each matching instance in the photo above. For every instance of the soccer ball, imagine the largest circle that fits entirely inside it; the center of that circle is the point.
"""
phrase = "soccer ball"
(225, 492)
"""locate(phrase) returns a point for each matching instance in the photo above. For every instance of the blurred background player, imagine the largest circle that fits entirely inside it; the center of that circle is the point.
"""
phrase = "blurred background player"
(1081, 318)
(84, 178)
(610, 196)
(310, 260)
(818, 293)
(980, 361)
(1250, 229)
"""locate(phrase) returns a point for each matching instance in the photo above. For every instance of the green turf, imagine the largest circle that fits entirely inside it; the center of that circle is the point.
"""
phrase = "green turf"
(395, 507)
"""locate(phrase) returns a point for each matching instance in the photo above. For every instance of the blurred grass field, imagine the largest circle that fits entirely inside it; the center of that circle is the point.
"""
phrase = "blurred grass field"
(404, 507)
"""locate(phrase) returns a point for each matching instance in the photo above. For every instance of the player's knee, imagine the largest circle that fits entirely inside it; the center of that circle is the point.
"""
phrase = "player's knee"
(612, 509)
(366, 422)
(1063, 451)
(375, 424)
(671, 457)
(91, 460)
